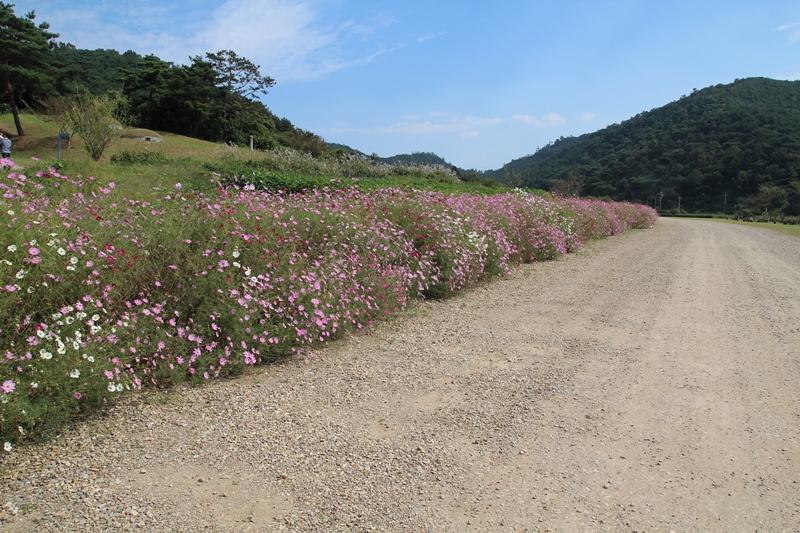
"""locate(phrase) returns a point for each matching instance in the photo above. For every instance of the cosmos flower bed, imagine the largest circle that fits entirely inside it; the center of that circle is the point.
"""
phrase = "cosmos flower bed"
(102, 294)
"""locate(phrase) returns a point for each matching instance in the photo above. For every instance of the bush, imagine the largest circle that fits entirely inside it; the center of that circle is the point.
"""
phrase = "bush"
(140, 157)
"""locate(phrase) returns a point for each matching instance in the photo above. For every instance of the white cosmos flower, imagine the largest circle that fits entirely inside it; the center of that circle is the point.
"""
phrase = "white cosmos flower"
(112, 387)
(11, 247)
(73, 260)
(7, 446)
(75, 373)
(61, 251)
(45, 354)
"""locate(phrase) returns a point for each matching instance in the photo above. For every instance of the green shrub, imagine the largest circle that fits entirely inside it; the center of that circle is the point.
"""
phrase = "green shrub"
(140, 157)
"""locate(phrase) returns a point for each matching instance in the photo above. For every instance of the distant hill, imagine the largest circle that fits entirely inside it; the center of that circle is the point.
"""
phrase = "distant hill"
(723, 147)
(408, 160)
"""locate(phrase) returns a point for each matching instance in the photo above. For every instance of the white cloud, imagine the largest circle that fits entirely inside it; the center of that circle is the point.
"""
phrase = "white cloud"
(588, 116)
(465, 126)
(289, 39)
(792, 30)
(548, 121)
(429, 36)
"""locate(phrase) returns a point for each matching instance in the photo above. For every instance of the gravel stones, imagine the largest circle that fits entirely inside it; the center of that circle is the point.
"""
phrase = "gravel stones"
(538, 402)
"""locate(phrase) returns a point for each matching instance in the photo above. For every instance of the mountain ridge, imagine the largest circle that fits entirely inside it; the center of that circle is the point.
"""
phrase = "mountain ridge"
(724, 147)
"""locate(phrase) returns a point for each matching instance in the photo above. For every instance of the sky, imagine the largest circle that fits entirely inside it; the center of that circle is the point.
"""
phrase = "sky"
(479, 83)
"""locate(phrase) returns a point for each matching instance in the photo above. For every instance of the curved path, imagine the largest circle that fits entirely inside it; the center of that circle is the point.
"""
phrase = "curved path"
(648, 383)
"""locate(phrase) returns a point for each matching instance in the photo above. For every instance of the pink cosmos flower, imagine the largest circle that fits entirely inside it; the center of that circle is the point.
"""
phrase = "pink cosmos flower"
(33, 250)
(77, 395)
(8, 387)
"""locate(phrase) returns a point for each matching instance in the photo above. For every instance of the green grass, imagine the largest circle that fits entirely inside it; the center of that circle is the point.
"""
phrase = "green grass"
(789, 229)
(192, 162)
(187, 157)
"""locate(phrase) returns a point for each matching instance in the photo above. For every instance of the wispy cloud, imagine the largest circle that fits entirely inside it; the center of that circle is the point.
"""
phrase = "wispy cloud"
(792, 31)
(289, 39)
(429, 36)
(464, 126)
(547, 121)
(588, 116)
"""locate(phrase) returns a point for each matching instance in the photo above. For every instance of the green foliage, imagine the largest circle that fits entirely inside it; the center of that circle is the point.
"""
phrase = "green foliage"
(26, 68)
(95, 119)
(730, 139)
(302, 170)
(98, 71)
(140, 157)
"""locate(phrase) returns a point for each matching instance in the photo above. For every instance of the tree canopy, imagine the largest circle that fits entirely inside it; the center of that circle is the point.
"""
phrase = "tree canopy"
(27, 69)
(718, 149)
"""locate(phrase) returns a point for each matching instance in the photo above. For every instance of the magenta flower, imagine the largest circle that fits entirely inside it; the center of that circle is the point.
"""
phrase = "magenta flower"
(8, 387)
(77, 395)
(33, 250)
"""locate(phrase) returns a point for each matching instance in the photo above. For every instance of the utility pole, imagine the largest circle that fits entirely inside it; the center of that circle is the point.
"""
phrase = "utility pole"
(725, 203)
(679, 202)
(660, 198)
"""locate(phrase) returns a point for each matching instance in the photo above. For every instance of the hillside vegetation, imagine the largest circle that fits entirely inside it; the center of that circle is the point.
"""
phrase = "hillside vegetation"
(732, 147)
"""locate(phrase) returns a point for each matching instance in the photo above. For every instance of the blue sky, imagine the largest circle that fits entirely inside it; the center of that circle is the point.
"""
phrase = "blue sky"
(477, 82)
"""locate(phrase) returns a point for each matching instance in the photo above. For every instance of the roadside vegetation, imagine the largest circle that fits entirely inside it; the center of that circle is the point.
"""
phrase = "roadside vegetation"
(182, 262)
(155, 247)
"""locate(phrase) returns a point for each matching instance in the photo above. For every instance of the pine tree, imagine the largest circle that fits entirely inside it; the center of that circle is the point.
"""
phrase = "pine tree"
(25, 60)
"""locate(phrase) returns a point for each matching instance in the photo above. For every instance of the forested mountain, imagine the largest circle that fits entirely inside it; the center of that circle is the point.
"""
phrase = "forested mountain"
(734, 146)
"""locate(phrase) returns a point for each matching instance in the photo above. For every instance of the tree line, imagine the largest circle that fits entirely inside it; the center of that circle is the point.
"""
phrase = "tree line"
(213, 97)
(732, 148)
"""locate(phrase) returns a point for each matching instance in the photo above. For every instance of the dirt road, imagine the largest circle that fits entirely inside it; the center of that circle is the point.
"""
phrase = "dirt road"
(648, 383)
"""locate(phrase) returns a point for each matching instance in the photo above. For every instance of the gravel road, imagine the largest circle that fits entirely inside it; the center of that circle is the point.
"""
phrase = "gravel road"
(650, 382)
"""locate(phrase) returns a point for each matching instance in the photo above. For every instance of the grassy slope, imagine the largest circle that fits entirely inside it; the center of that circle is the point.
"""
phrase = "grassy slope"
(188, 159)
(188, 155)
